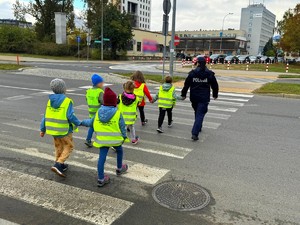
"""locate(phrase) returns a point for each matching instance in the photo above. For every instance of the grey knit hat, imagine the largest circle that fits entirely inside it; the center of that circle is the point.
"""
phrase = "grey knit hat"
(58, 86)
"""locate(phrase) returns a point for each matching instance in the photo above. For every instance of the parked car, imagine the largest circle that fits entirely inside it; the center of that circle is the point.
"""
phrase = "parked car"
(280, 60)
(264, 59)
(297, 60)
(215, 58)
(254, 59)
(231, 59)
(244, 59)
(207, 58)
(271, 60)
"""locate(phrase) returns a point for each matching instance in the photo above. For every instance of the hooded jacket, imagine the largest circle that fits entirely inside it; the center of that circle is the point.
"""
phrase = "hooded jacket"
(167, 87)
(55, 101)
(105, 113)
(200, 81)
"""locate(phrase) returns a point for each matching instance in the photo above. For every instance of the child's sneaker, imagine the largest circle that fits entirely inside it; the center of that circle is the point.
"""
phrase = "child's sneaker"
(64, 167)
(160, 130)
(145, 122)
(101, 183)
(128, 129)
(135, 141)
(57, 168)
(88, 143)
(170, 124)
(122, 170)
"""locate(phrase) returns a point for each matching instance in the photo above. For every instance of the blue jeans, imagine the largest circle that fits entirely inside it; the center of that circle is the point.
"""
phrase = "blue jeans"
(200, 112)
(90, 134)
(102, 159)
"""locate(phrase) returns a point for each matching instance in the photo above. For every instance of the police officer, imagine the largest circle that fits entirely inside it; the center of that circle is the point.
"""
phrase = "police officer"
(200, 81)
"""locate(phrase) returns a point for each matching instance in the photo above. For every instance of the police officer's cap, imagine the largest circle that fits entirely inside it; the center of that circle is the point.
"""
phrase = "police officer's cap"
(201, 60)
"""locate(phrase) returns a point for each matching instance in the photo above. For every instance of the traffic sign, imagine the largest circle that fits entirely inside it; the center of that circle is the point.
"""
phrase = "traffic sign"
(176, 40)
(106, 39)
(167, 6)
(221, 34)
(97, 42)
(78, 39)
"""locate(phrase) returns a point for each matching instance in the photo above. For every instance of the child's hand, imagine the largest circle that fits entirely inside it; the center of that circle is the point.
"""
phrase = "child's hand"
(42, 134)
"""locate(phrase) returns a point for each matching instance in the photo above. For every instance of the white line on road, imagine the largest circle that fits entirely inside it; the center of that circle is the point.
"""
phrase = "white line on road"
(138, 172)
(6, 222)
(18, 97)
(217, 108)
(78, 203)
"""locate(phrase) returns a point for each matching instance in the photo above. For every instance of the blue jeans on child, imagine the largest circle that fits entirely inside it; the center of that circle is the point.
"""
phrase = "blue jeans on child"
(90, 134)
(102, 159)
(200, 112)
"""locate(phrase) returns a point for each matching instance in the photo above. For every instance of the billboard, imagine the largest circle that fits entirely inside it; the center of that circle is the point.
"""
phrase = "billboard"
(150, 46)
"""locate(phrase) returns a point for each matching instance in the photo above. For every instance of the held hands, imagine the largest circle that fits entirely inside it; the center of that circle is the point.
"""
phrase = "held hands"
(42, 134)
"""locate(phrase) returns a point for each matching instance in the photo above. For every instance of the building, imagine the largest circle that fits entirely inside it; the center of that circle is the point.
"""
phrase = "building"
(234, 42)
(146, 44)
(15, 23)
(259, 24)
(140, 11)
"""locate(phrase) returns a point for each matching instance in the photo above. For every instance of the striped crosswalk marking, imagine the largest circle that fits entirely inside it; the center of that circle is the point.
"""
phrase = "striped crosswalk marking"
(91, 206)
(6, 222)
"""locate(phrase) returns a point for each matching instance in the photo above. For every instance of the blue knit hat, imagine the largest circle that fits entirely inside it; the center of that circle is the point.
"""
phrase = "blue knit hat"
(96, 79)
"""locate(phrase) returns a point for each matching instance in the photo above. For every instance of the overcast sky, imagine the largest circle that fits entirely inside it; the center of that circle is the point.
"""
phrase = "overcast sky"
(191, 14)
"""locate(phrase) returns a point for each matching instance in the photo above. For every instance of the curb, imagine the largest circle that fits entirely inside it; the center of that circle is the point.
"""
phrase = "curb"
(292, 96)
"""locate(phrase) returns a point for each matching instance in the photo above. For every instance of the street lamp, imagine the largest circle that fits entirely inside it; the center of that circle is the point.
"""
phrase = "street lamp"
(223, 31)
(102, 20)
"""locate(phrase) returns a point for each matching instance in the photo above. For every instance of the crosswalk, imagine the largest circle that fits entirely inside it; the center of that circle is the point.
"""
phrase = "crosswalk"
(149, 162)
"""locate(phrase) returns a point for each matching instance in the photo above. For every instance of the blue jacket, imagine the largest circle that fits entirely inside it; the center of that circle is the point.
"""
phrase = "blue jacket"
(200, 81)
(105, 113)
(56, 100)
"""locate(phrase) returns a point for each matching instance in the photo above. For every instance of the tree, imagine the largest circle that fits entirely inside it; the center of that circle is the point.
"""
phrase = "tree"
(269, 49)
(117, 25)
(43, 11)
(290, 30)
(20, 11)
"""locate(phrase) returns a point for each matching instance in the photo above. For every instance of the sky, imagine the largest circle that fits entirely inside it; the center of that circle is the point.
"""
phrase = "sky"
(191, 14)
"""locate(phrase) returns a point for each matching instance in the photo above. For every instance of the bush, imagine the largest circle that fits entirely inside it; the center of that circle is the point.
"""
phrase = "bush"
(53, 49)
(16, 40)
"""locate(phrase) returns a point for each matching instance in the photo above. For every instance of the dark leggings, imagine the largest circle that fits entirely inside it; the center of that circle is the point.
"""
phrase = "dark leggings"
(162, 113)
(142, 113)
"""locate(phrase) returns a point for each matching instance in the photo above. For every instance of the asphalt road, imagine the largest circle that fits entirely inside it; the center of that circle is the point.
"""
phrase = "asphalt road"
(247, 158)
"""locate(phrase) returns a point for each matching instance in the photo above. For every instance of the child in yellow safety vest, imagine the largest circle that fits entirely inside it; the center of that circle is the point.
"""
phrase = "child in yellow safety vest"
(141, 90)
(128, 103)
(166, 97)
(110, 129)
(60, 121)
(94, 99)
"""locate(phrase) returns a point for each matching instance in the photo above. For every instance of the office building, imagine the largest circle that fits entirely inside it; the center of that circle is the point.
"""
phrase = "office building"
(259, 24)
(18, 23)
(140, 11)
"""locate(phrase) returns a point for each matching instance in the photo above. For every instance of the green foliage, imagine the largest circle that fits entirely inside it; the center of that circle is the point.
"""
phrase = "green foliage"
(43, 12)
(269, 49)
(16, 40)
(52, 49)
(117, 26)
(290, 29)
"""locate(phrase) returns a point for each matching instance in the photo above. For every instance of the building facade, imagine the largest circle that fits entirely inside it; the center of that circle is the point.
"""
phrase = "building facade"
(259, 24)
(234, 42)
(140, 11)
(15, 23)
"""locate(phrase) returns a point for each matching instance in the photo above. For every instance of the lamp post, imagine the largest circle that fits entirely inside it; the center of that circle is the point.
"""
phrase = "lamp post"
(172, 46)
(223, 31)
(102, 37)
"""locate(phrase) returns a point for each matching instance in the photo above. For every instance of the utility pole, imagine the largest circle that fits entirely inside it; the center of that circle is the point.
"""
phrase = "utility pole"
(102, 28)
(172, 47)
(221, 34)
(165, 31)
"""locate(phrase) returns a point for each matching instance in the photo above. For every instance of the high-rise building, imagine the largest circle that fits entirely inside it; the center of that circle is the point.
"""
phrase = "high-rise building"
(259, 24)
(140, 11)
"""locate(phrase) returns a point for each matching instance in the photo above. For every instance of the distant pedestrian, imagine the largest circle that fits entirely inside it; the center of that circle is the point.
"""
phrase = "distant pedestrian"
(166, 97)
(60, 121)
(200, 81)
(128, 103)
(141, 90)
(110, 129)
(94, 99)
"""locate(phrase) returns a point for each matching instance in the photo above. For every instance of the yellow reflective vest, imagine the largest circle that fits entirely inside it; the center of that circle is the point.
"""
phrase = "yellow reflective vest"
(56, 120)
(129, 111)
(139, 92)
(92, 98)
(165, 98)
(108, 134)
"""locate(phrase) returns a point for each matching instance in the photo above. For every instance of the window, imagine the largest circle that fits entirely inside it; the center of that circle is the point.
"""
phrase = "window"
(139, 46)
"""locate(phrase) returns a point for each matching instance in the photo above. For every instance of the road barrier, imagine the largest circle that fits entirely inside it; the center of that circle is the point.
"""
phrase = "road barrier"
(247, 68)
(18, 60)
(228, 66)
(287, 68)
(267, 67)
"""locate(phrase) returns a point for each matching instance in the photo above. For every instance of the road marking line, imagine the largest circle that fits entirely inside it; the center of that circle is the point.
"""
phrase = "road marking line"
(6, 222)
(42, 93)
(237, 104)
(75, 202)
(233, 99)
(89, 86)
(138, 172)
(217, 108)
(236, 95)
(18, 97)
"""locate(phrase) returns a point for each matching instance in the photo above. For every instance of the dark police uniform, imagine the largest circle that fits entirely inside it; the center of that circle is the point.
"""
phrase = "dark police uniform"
(200, 81)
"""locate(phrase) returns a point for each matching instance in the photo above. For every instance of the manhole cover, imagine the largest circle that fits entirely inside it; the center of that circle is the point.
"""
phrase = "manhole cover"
(180, 195)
